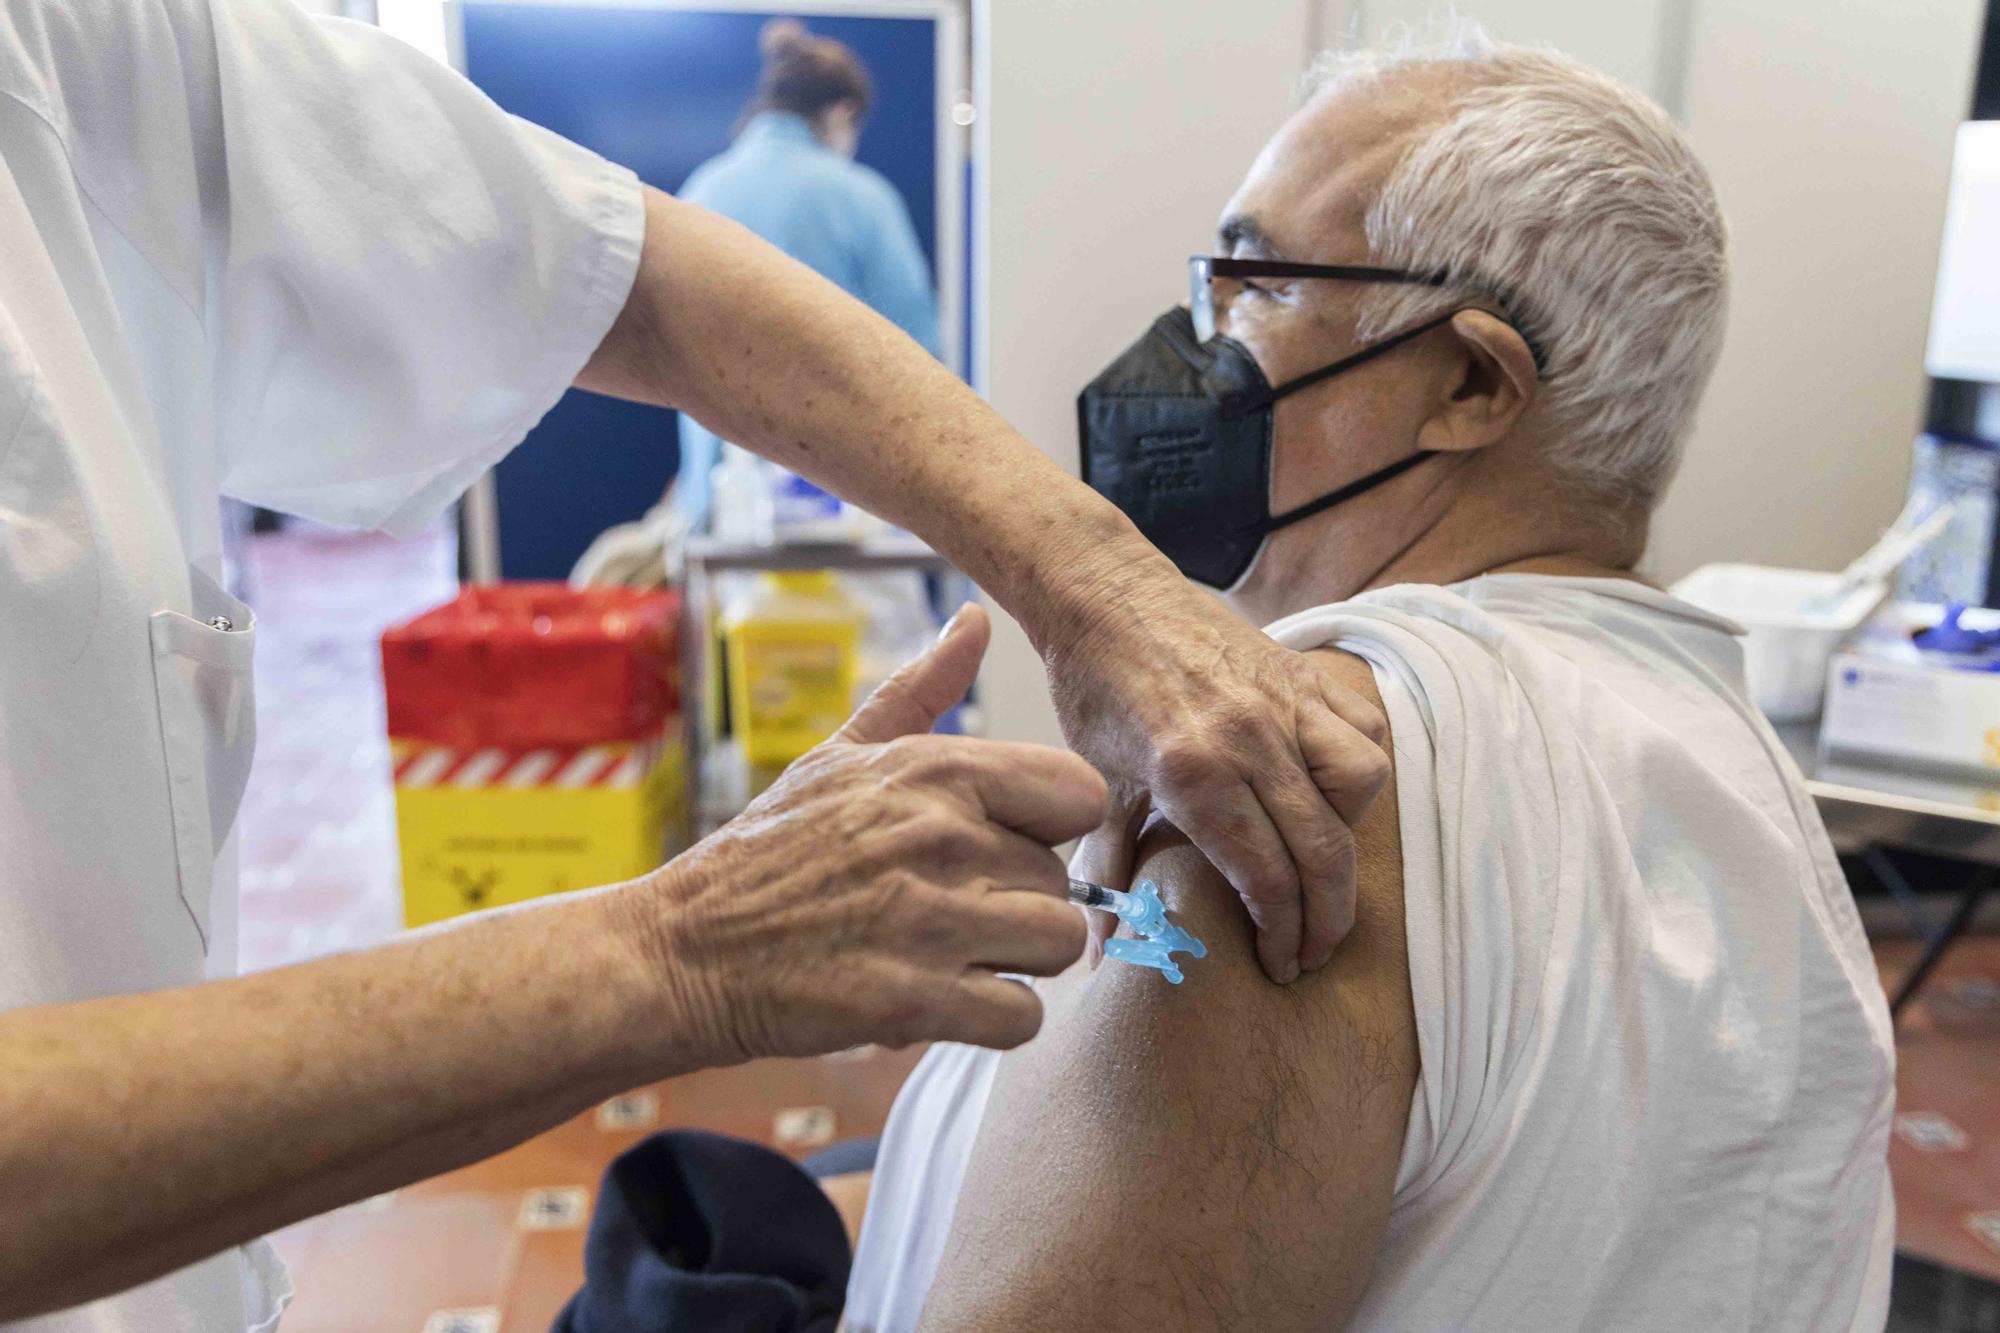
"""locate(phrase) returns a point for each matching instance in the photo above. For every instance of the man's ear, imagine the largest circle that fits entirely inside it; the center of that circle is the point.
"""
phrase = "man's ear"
(1493, 382)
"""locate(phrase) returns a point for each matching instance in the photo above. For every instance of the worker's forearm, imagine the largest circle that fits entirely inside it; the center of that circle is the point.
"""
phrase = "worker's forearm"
(770, 355)
(140, 1133)
(145, 1132)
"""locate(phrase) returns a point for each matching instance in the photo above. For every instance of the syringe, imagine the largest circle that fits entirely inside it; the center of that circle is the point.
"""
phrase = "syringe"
(1144, 912)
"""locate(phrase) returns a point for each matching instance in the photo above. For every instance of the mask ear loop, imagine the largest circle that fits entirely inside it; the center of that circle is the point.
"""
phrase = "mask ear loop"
(1258, 401)
(1361, 485)
(1345, 493)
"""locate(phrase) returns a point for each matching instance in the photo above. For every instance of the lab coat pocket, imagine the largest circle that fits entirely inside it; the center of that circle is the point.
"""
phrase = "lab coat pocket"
(208, 725)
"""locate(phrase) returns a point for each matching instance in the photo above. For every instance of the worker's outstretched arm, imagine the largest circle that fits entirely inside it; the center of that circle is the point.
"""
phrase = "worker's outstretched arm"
(1254, 755)
(870, 895)
(1215, 1155)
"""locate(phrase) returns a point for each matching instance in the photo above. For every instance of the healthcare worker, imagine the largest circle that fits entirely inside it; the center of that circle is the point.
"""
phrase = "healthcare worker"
(246, 252)
(791, 178)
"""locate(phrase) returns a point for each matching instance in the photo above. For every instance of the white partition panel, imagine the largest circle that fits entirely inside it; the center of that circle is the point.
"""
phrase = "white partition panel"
(1965, 316)
(1828, 129)
(1109, 135)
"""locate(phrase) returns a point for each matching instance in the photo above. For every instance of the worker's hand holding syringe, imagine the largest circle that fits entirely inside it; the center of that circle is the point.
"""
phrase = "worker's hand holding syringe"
(877, 891)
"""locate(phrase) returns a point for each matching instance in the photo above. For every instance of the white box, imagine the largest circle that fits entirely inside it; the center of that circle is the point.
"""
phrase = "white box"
(1788, 637)
(1888, 700)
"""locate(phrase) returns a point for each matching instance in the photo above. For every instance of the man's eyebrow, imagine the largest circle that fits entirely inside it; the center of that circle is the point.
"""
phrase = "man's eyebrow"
(1241, 231)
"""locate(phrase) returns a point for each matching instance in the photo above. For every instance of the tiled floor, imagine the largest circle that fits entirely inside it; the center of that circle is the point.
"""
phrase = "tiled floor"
(318, 838)
(1945, 1155)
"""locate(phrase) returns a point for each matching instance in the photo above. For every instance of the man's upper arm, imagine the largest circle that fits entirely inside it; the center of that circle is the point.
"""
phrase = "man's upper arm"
(1219, 1154)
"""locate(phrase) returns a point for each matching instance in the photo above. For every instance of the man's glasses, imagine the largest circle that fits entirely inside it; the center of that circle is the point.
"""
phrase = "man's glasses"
(1204, 269)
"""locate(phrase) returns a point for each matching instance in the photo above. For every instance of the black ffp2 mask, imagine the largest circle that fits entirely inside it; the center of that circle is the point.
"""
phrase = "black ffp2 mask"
(1178, 434)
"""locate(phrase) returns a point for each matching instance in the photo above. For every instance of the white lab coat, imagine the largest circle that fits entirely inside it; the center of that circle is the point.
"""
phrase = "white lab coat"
(242, 252)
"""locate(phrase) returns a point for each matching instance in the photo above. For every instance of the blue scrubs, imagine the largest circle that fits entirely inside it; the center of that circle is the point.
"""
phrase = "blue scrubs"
(838, 217)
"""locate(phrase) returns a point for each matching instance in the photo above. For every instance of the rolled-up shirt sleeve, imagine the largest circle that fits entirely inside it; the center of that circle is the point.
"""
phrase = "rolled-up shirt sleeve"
(400, 277)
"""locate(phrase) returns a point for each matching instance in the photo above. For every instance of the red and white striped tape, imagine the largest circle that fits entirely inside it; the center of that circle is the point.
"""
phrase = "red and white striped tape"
(617, 764)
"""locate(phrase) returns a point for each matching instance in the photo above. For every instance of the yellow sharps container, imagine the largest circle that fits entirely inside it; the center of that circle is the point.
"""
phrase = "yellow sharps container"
(793, 642)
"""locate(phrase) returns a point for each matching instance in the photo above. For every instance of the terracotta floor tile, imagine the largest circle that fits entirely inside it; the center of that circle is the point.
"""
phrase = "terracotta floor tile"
(389, 1269)
(1948, 1063)
(547, 1272)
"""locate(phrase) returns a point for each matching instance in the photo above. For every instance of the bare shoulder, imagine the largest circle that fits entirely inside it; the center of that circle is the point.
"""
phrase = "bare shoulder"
(1249, 1132)
(1366, 986)
(1348, 671)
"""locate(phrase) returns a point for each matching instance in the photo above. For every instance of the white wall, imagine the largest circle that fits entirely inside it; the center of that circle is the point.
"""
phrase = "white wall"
(1827, 125)
(1637, 41)
(1109, 136)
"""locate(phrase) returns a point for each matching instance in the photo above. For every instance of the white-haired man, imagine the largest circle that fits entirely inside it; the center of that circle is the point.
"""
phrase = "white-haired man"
(1605, 1049)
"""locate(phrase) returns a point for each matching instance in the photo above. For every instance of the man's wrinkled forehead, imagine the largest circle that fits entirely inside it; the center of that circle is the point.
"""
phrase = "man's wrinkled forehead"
(1307, 195)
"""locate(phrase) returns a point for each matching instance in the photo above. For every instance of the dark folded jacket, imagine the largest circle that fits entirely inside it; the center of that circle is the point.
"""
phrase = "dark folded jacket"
(699, 1232)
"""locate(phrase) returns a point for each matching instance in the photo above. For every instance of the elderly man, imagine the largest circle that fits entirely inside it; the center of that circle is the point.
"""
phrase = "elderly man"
(1605, 1049)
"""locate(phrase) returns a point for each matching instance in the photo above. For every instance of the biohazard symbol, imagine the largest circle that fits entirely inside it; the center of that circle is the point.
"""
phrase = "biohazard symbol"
(473, 889)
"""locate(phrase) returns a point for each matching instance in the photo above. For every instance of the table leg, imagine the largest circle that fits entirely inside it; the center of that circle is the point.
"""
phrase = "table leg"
(1934, 947)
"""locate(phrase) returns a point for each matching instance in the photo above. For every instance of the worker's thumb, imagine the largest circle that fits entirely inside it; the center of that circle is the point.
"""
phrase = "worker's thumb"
(926, 687)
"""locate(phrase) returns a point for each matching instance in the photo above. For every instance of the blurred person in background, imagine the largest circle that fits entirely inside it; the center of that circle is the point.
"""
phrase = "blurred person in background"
(791, 178)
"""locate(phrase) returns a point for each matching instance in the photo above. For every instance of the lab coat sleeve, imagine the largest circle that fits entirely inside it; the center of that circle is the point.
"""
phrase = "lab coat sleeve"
(895, 278)
(401, 277)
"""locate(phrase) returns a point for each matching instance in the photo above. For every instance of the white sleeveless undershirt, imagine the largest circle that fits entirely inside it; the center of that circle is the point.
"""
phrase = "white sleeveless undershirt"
(1657, 1067)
